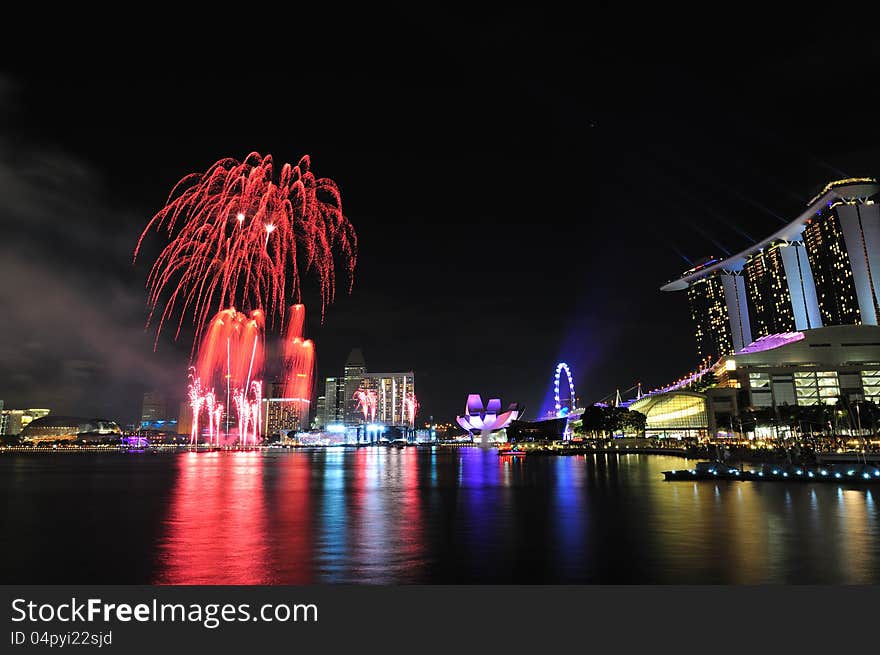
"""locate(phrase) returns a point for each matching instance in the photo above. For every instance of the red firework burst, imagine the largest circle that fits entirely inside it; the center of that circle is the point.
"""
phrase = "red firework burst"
(240, 237)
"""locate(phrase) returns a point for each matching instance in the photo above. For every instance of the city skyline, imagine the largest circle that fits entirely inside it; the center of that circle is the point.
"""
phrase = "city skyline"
(509, 298)
(644, 181)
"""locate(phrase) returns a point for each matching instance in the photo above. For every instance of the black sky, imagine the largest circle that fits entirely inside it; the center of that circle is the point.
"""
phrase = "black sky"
(521, 184)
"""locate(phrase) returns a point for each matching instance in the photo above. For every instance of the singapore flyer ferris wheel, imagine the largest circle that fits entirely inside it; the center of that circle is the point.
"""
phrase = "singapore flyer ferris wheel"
(563, 410)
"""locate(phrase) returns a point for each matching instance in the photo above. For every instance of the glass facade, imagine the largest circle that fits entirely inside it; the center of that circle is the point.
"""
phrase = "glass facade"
(871, 385)
(816, 387)
(759, 384)
(676, 411)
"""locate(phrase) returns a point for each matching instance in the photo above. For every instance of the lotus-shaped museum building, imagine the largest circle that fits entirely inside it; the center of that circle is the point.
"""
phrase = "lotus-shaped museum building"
(486, 420)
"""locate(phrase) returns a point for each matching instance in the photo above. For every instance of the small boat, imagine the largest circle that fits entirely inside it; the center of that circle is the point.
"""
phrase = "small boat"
(511, 452)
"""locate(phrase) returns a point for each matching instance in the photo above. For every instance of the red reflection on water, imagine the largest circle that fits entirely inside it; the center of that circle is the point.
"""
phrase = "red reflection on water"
(411, 537)
(216, 528)
(291, 522)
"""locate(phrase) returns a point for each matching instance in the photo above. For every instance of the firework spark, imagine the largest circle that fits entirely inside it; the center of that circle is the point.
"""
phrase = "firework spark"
(242, 237)
(367, 402)
(230, 357)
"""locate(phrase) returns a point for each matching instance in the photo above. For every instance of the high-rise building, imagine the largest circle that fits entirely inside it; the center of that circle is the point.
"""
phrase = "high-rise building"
(822, 268)
(719, 324)
(780, 289)
(184, 422)
(843, 245)
(320, 412)
(394, 394)
(334, 401)
(281, 414)
(154, 408)
(355, 367)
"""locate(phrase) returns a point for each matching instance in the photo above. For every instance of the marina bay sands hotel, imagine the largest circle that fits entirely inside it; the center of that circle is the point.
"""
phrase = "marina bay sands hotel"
(820, 270)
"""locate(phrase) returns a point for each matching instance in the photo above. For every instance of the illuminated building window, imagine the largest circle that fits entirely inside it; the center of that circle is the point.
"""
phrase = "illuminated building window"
(759, 380)
(805, 388)
(871, 385)
(832, 271)
(768, 293)
(759, 387)
(711, 319)
(816, 387)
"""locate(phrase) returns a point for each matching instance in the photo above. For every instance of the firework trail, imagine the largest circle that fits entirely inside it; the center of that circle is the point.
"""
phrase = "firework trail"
(240, 236)
(216, 417)
(210, 406)
(412, 407)
(196, 400)
(232, 348)
(299, 362)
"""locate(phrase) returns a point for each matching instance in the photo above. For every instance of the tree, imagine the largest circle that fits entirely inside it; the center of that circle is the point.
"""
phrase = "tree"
(820, 416)
(593, 420)
(635, 422)
(615, 420)
(605, 421)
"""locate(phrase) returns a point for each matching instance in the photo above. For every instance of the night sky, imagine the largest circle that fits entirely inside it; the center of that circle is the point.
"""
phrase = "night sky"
(521, 186)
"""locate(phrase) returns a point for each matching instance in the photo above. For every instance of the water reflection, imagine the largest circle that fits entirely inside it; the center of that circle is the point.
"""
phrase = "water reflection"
(333, 519)
(572, 517)
(380, 515)
(217, 531)
(856, 536)
(291, 507)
